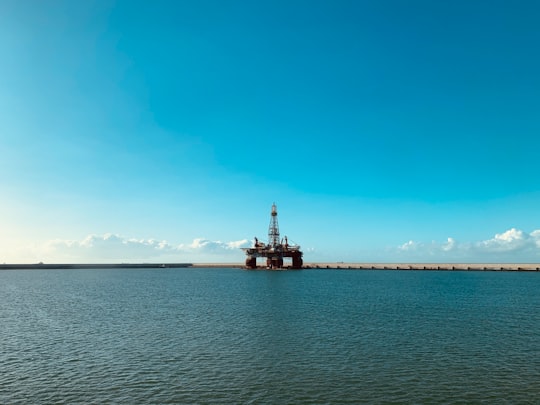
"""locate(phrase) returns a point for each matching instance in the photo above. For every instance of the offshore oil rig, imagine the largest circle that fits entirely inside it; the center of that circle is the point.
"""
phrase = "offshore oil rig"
(275, 250)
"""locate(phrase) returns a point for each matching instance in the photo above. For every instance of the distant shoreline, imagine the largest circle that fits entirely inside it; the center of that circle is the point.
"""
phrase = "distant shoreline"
(307, 266)
(62, 266)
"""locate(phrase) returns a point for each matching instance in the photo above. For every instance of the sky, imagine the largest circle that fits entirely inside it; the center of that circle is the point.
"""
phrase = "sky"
(163, 131)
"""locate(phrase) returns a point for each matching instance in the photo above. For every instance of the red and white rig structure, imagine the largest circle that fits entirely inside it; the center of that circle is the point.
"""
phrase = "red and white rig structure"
(275, 250)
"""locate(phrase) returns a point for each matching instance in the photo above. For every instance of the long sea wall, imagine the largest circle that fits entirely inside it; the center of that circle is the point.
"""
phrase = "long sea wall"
(428, 266)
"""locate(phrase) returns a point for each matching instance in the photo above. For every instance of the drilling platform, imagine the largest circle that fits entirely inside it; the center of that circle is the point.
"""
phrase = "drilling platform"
(275, 250)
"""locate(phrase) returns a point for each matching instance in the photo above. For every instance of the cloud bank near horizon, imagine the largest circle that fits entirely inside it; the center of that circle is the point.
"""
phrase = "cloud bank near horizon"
(513, 245)
(116, 248)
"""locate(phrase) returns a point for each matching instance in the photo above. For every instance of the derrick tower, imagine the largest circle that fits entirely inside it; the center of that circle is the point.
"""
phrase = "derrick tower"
(275, 250)
(273, 228)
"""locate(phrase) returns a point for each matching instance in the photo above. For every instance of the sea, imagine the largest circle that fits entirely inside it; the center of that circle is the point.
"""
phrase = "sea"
(231, 336)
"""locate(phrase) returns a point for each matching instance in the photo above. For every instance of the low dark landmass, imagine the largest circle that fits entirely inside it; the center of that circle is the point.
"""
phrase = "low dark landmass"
(93, 266)
(334, 265)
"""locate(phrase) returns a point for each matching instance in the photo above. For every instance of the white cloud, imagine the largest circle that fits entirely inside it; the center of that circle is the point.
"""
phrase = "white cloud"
(238, 244)
(449, 245)
(511, 240)
(209, 246)
(410, 245)
(535, 235)
(116, 248)
(512, 245)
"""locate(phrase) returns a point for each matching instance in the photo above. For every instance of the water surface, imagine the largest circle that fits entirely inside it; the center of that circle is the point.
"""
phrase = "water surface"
(235, 336)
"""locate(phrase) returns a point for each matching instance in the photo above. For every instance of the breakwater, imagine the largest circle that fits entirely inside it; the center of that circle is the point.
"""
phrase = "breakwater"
(428, 266)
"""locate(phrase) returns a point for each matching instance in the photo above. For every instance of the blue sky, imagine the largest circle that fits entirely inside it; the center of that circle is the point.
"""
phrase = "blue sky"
(164, 130)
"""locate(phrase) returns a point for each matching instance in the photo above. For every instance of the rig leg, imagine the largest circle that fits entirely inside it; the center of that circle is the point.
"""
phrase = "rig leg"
(277, 263)
(297, 262)
(251, 262)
